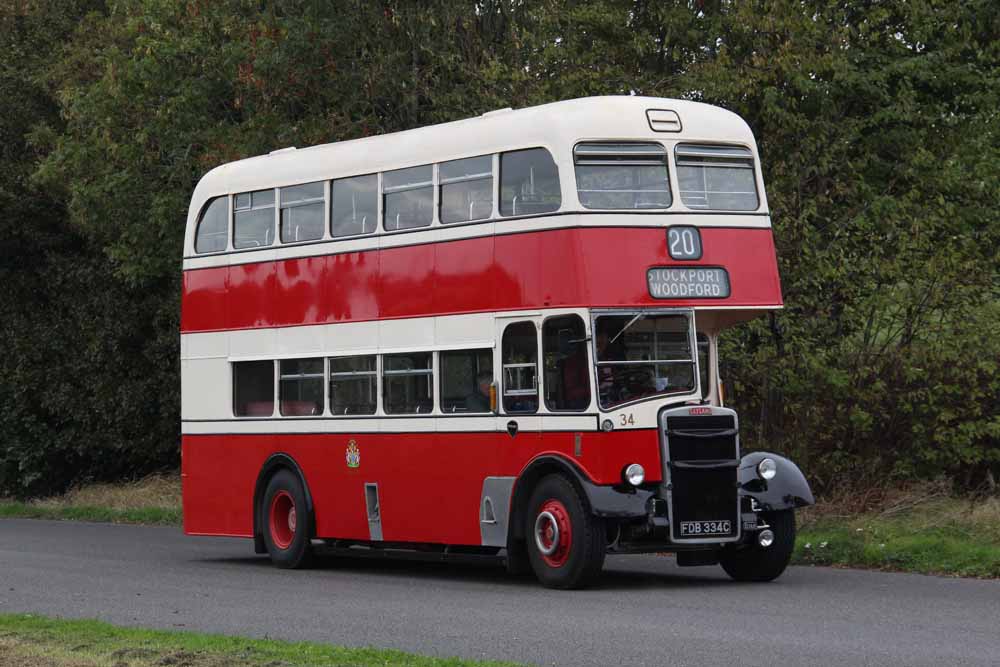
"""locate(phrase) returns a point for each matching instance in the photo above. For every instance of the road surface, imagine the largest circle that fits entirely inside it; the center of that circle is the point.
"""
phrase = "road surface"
(645, 611)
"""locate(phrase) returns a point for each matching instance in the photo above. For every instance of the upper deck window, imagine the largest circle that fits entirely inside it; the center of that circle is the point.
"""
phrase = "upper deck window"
(529, 183)
(253, 222)
(212, 226)
(354, 207)
(622, 175)
(409, 197)
(716, 177)
(302, 212)
(466, 189)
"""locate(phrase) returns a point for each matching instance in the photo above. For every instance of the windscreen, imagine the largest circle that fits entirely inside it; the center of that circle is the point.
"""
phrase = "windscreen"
(640, 356)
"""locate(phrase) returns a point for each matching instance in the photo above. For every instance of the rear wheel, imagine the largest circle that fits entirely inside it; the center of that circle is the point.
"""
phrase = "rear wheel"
(565, 542)
(286, 521)
(756, 563)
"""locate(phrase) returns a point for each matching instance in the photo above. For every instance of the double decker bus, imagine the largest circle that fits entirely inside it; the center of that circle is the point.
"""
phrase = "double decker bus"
(495, 337)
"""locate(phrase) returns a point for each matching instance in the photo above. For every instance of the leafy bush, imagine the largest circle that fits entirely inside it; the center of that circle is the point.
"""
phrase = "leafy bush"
(878, 135)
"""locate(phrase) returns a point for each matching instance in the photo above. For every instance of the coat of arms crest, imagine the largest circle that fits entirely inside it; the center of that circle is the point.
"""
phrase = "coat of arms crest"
(353, 455)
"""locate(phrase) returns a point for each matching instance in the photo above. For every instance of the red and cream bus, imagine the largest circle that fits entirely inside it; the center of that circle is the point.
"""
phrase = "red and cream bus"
(492, 337)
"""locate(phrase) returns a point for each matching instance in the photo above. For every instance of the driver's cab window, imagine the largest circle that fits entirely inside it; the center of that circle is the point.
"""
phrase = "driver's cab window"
(520, 368)
(567, 369)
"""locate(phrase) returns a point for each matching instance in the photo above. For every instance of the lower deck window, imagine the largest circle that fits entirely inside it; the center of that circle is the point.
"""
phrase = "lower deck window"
(466, 376)
(301, 388)
(353, 386)
(253, 388)
(407, 383)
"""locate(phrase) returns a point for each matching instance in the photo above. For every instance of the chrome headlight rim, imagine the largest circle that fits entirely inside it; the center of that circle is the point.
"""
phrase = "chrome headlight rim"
(635, 474)
(767, 469)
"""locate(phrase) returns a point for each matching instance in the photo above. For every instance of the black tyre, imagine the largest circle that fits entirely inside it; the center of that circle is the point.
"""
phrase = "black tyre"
(565, 542)
(285, 521)
(517, 560)
(757, 563)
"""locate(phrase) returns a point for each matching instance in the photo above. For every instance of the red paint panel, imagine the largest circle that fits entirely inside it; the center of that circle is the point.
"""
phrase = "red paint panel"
(406, 280)
(203, 306)
(516, 281)
(251, 296)
(564, 267)
(352, 281)
(300, 292)
(461, 271)
(423, 498)
(562, 272)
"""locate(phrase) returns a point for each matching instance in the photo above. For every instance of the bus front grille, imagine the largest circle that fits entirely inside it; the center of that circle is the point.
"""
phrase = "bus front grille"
(701, 461)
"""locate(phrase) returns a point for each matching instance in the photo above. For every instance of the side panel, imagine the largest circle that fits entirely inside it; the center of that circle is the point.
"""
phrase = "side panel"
(430, 484)
(585, 267)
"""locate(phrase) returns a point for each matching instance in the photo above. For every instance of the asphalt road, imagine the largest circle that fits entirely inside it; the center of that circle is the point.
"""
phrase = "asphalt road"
(645, 611)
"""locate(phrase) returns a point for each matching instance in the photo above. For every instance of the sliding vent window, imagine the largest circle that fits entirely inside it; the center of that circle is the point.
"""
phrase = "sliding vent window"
(466, 189)
(529, 183)
(622, 176)
(211, 234)
(301, 390)
(253, 221)
(408, 383)
(355, 206)
(716, 177)
(302, 213)
(409, 197)
(353, 386)
(253, 388)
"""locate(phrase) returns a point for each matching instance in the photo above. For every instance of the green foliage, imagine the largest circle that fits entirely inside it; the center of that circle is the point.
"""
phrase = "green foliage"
(877, 126)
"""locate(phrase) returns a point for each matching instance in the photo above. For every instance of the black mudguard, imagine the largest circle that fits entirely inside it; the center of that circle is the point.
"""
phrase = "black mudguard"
(611, 503)
(788, 490)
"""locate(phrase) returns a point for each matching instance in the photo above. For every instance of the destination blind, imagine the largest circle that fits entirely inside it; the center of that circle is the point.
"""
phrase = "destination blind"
(686, 282)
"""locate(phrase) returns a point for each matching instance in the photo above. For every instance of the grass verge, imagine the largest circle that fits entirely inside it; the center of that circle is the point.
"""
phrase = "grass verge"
(28, 640)
(933, 534)
(152, 500)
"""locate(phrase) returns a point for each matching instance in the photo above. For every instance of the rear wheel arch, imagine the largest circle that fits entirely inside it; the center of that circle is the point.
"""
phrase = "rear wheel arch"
(274, 463)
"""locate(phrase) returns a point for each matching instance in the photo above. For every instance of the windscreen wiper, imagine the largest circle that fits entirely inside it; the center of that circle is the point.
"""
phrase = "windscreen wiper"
(638, 316)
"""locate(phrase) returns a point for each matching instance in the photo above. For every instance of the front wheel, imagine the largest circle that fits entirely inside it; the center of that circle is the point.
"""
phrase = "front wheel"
(756, 563)
(286, 521)
(565, 542)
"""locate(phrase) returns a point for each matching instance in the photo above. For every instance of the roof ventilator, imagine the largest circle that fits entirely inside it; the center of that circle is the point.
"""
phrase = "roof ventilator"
(663, 120)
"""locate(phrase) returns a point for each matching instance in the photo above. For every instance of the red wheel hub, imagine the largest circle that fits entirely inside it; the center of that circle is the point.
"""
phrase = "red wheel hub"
(553, 533)
(282, 519)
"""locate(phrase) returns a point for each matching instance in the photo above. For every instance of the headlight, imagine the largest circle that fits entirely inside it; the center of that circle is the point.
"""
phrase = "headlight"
(767, 469)
(635, 474)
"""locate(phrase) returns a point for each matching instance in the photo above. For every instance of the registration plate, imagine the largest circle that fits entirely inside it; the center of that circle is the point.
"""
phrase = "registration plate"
(707, 528)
